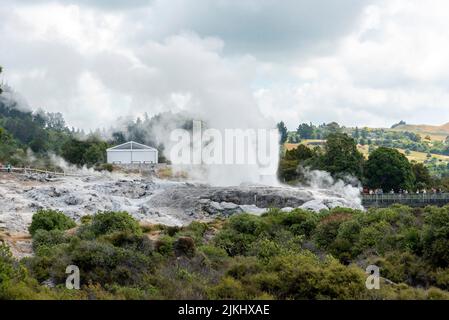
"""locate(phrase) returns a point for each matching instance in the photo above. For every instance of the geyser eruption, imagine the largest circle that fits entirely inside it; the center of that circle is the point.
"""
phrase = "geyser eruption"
(228, 156)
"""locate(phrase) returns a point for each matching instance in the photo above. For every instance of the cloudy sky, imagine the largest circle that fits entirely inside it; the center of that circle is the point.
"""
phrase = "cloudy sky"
(357, 62)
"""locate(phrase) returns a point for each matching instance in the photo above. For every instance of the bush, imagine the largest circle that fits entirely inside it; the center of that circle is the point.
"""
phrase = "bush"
(164, 245)
(436, 236)
(130, 241)
(48, 238)
(442, 279)
(184, 246)
(50, 220)
(239, 233)
(304, 276)
(233, 242)
(246, 224)
(228, 288)
(327, 229)
(195, 230)
(104, 223)
(301, 222)
(101, 262)
(105, 167)
(7, 270)
(213, 257)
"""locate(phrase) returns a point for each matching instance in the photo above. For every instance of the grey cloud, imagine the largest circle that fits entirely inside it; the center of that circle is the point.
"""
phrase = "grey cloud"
(263, 28)
(103, 4)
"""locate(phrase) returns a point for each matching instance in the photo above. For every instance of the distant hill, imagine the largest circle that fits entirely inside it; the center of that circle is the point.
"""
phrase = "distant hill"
(423, 128)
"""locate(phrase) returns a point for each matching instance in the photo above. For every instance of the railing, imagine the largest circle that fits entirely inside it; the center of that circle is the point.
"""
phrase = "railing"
(412, 199)
(25, 170)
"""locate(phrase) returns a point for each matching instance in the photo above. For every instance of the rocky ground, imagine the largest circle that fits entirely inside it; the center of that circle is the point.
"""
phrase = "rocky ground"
(150, 200)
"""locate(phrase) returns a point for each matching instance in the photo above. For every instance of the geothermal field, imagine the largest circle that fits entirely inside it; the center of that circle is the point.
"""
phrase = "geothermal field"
(153, 200)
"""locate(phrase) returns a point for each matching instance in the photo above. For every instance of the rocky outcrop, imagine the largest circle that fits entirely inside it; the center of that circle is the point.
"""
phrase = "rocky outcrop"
(152, 200)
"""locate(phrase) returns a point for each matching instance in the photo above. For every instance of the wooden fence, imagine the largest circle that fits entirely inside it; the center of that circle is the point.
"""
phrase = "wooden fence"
(25, 170)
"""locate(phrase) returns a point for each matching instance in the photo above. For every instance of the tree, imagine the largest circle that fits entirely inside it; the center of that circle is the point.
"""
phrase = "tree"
(364, 133)
(288, 166)
(118, 138)
(283, 132)
(333, 127)
(356, 133)
(90, 152)
(388, 169)
(305, 131)
(400, 123)
(301, 153)
(341, 156)
(56, 121)
(422, 175)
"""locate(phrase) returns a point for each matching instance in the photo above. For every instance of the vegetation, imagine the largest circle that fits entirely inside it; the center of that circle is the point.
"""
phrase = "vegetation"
(341, 157)
(283, 132)
(296, 255)
(385, 168)
(32, 138)
(426, 144)
(50, 220)
(389, 169)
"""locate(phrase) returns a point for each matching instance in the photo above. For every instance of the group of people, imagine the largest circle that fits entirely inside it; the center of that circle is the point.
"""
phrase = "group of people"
(401, 191)
(7, 167)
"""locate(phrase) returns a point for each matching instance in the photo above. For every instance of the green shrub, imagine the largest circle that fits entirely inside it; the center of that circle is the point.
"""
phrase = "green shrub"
(435, 236)
(164, 245)
(265, 249)
(214, 257)
(130, 241)
(243, 267)
(228, 288)
(101, 262)
(442, 278)
(300, 222)
(184, 246)
(247, 224)
(50, 220)
(328, 227)
(239, 233)
(233, 242)
(109, 222)
(48, 238)
(195, 230)
(105, 167)
(86, 219)
(7, 270)
(304, 276)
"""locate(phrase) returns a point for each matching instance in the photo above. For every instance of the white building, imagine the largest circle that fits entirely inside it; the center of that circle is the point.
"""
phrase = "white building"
(132, 153)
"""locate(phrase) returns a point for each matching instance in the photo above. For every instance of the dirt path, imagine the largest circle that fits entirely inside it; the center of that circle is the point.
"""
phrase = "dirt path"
(19, 243)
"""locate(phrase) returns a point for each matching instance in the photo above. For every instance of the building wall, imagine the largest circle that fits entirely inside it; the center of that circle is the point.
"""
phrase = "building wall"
(132, 156)
(149, 156)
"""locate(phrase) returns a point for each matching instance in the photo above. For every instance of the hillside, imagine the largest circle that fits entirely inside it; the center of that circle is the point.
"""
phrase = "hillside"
(437, 133)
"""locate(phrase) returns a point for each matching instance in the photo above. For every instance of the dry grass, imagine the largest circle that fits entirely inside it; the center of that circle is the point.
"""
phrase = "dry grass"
(307, 142)
(436, 133)
(413, 156)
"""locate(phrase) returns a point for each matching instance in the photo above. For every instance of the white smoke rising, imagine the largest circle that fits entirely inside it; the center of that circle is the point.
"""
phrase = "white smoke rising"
(227, 157)
(69, 168)
(13, 100)
(233, 166)
(316, 181)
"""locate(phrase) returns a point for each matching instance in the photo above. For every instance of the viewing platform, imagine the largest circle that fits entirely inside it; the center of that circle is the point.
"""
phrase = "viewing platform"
(411, 200)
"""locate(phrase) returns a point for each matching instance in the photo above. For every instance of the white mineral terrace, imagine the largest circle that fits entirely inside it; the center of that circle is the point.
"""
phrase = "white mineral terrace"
(153, 200)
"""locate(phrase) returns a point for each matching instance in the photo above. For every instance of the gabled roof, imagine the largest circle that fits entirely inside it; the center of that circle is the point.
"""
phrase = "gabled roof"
(131, 145)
